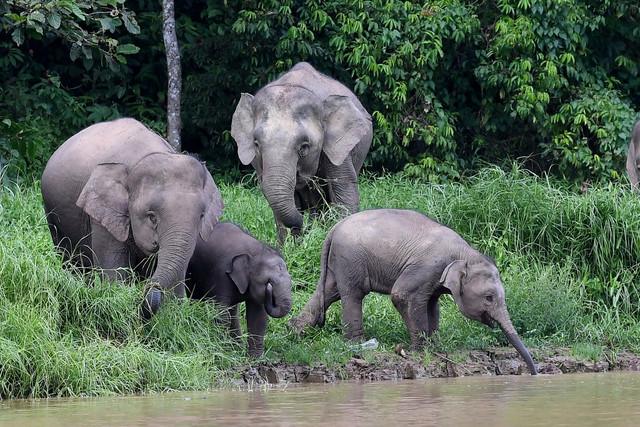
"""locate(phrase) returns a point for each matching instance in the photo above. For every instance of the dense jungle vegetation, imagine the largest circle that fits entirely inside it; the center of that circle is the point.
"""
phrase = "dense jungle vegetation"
(450, 84)
(488, 116)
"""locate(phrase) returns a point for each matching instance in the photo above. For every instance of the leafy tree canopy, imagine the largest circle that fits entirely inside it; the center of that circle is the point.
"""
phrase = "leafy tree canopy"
(450, 84)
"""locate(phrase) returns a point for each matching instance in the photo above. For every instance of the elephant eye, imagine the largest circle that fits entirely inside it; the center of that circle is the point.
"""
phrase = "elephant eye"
(151, 216)
(489, 298)
(304, 149)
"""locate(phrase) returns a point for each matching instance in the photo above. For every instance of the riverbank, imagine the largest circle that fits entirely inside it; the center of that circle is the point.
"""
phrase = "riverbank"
(384, 366)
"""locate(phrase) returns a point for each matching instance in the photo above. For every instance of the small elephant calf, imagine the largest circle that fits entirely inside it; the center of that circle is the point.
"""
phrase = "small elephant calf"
(233, 266)
(414, 259)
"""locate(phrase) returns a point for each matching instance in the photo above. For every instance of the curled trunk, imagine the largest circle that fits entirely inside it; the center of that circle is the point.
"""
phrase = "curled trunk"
(277, 305)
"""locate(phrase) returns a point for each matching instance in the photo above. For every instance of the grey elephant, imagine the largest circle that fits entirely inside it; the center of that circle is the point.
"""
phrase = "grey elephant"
(233, 267)
(118, 197)
(633, 157)
(306, 136)
(415, 259)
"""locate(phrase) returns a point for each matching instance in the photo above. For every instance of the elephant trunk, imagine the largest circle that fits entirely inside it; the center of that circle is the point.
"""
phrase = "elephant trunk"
(176, 249)
(507, 328)
(278, 186)
(277, 305)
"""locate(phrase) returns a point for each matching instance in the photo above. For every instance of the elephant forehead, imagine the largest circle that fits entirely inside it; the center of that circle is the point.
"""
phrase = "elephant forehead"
(168, 169)
(294, 100)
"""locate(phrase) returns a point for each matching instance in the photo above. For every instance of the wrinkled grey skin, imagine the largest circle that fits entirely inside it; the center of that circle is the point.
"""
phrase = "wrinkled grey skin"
(117, 195)
(233, 267)
(414, 259)
(633, 157)
(306, 136)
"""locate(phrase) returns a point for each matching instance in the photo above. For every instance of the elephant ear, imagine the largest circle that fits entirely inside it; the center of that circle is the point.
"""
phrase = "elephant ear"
(214, 205)
(105, 198)
(452, 277)
(343, 129)
(242, 128)
(239, 271)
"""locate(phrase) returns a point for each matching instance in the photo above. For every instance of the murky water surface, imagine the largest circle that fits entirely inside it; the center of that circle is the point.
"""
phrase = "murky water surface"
(610, 399)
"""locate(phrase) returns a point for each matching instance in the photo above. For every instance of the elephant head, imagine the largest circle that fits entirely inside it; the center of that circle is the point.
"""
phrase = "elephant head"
(161, 204)
(267, 280)
(479, 294)
(284, 130)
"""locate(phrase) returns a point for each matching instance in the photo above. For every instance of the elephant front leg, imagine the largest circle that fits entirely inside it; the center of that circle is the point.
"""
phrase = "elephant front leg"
(257, 320)
(413, 304)
(110, 255)
(342, 185)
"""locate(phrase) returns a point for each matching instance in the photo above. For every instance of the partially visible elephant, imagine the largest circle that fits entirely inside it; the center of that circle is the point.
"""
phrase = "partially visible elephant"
(306, 136)
(633, 157)
(233, 267)
(415, 259)
(117, 196)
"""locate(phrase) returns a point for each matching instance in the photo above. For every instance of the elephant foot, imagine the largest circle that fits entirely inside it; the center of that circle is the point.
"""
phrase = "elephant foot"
(151, 302)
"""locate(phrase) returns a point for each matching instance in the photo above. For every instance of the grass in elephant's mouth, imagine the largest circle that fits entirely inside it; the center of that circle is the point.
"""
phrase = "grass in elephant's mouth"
(568, 262)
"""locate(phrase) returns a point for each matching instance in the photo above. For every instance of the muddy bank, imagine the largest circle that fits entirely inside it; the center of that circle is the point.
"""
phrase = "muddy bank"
(384, 366)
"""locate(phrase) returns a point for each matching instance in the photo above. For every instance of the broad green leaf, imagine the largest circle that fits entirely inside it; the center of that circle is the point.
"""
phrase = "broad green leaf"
(127, 49)
(54, 20)
(108, 24)
(130, 24)
(18, 36)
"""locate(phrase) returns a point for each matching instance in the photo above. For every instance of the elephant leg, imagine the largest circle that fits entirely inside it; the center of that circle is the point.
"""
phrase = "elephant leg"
(233, 322)
(352, 318)
(412, 303)
(257, 320)
(110, 255)
(342, 185)
(349, 282)
(433, 315)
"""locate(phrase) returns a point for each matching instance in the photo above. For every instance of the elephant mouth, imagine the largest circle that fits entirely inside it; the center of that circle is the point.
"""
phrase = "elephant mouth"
(487, 320)
(270, 294)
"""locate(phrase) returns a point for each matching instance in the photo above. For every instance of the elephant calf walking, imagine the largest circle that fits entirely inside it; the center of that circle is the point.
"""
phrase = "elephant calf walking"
(414, 259)
(233, 267)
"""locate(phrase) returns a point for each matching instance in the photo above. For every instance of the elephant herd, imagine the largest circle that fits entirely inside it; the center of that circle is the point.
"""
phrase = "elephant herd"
(119, 199)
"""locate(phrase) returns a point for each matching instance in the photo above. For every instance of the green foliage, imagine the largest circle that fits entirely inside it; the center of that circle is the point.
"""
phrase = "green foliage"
(568, 262)
(83, 25)
(451, 85)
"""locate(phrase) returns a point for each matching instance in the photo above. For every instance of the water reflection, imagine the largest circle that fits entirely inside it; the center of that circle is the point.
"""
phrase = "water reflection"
(559, 400)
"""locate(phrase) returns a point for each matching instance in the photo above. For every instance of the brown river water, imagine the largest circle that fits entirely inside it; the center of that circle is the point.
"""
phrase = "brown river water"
(602, 399)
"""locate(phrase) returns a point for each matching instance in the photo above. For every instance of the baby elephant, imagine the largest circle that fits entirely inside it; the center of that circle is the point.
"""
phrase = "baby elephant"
(233, 266)
(415, 259)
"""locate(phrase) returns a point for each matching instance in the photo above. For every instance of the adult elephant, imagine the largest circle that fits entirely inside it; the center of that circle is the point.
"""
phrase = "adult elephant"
(234, 267)
(633, 157)
(415, 259)
(117, 196)
(306, 136)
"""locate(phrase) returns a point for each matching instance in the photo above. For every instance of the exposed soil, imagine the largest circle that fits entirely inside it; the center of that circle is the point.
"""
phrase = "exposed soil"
(385, 366)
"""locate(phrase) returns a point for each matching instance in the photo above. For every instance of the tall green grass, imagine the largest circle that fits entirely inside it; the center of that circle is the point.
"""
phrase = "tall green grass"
(569, 263)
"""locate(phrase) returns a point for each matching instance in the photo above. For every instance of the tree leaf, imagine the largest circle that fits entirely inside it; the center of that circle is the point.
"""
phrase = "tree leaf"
(18, 36)
(108, 24)
(127, 49)
(54, 20)
(130, 24)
